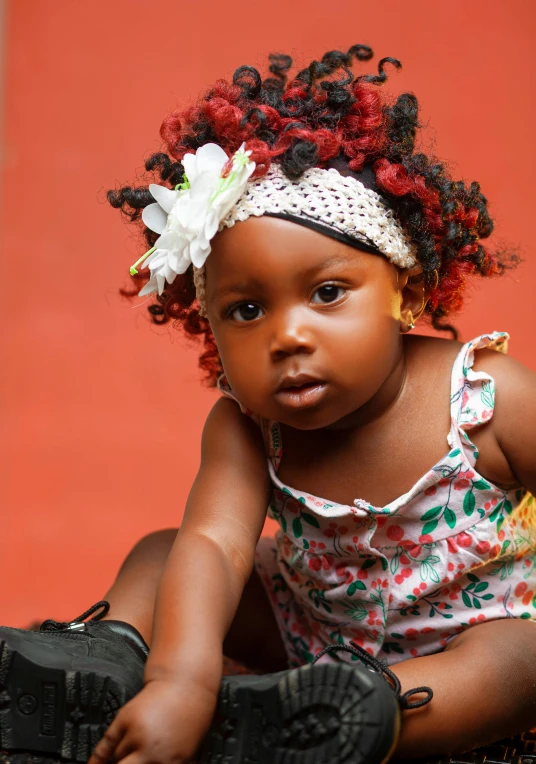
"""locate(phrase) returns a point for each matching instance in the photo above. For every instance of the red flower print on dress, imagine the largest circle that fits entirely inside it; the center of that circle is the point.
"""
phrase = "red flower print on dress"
(461, 484)
(440, 555)
(395, 532)
(464, 539)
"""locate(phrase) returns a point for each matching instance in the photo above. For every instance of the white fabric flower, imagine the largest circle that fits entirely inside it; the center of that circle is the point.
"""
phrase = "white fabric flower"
(188, 218)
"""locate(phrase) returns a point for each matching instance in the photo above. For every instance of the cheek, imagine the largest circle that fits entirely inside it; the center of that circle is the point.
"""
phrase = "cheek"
(241, 356)
(364, 344)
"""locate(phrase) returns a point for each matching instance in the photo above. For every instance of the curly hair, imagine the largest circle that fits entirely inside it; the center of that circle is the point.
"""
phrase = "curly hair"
(322, 113)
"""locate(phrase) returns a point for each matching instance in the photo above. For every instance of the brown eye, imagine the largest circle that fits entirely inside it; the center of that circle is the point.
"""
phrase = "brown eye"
(246, 311)
(327, 293)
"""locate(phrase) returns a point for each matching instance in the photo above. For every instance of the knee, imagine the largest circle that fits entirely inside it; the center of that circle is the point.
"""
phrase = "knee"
(506, 645)
(154, 545)
(164, 538)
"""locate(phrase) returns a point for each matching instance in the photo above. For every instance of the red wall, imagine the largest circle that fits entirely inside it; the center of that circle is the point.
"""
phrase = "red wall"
(101, 413)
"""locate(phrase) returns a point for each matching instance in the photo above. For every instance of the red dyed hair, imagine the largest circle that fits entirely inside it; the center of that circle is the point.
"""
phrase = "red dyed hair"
(321, 113)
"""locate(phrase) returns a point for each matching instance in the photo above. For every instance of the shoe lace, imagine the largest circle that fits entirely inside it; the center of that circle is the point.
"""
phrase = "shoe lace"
(78, 623)
(381, 668)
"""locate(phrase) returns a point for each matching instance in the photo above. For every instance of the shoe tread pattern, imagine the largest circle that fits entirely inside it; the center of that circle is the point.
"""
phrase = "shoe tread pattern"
(329, 714)
(51, 710)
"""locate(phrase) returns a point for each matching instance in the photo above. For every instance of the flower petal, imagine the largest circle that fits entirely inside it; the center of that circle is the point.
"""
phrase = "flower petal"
(211, 158)
(211, 225)
(189, 162)
(154, 218)
(164, 196)
(168, 240)
(150, 286)
(199, 252)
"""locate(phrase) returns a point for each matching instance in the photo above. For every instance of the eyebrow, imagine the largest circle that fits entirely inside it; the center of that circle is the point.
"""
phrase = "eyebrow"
(241, 288)
(245, 288)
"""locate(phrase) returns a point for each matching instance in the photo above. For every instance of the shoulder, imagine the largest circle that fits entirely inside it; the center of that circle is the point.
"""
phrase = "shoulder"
(509, 374)
(231, 434)
(514, 418)
(515, 391)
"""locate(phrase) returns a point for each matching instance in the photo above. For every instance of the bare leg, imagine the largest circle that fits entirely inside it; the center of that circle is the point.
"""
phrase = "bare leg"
(253, 637)
(484, 685)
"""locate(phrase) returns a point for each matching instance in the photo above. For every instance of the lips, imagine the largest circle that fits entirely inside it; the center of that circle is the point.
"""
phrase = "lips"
(297, 381)
(300, 391)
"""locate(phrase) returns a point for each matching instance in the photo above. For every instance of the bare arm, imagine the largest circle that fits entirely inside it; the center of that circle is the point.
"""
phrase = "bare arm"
(198, 596)
(213, 555)
(514, 420)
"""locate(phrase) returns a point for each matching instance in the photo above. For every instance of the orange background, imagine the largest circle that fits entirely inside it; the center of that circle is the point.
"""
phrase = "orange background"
(102, 413)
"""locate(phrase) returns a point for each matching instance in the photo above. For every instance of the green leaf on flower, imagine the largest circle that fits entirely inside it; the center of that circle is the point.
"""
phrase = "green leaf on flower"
(472, 577)
(450, 517)
(297, 529)
(496, 511)
(310, 519)
(368, 564)
(481, 485)
(283, 523)
(453, 453)
(466, 600)
(482, 586)
(354, 587)
(500, 521)
(384, 563)
(429, 527)
(488, 596)
(432, 513)
(469, 502)
(508, 507)
(476, 603)
(305, 544)
(357, 613)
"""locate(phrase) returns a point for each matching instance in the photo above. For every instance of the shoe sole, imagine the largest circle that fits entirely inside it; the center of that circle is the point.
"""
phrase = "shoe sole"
(323, 714)
(50, 703)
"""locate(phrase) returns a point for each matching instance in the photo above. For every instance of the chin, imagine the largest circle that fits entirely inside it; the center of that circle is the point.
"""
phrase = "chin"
(309, 419)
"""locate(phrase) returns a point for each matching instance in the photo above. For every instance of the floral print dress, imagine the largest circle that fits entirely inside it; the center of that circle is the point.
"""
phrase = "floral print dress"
(403, 579)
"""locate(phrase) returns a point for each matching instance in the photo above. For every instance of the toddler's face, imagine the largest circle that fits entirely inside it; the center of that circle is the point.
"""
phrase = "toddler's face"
(307, 328)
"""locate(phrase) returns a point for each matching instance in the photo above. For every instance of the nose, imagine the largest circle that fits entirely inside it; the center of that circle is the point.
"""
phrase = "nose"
(291, 334)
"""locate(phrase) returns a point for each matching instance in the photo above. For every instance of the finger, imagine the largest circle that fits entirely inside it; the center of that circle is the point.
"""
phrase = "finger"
(125, 747)
(135, 758)
(106, 746)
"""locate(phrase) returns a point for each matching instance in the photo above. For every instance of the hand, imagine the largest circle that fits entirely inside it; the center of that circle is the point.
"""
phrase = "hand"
(164, 724)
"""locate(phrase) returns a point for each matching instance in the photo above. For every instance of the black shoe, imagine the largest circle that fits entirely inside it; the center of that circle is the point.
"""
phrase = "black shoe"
(61, 686)
(332, 713)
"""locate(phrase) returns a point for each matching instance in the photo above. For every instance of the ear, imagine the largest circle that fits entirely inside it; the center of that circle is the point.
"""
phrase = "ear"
(413, 296)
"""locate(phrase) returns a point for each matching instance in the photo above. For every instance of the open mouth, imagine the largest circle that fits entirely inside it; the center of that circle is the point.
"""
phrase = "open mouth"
(301, 394)
(302, 386)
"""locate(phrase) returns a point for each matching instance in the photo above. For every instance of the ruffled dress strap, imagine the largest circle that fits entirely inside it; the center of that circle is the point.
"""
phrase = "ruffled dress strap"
(270, 430)
(472, 399)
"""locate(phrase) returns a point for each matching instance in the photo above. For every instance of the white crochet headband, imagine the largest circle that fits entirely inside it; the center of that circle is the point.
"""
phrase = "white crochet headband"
(217, 193)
